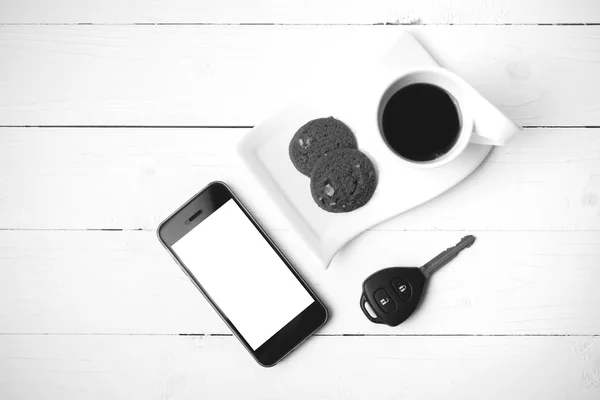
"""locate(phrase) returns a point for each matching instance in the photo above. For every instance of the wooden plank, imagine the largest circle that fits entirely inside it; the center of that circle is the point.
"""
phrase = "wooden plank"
(70, 178)
(171, 367)
(90, 282)
(234, 75)
(302, 12)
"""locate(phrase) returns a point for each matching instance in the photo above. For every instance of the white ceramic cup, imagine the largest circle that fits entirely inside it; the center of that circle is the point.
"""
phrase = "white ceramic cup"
(465, 102)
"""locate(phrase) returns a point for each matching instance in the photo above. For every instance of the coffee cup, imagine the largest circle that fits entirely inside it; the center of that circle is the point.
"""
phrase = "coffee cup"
(428, 116)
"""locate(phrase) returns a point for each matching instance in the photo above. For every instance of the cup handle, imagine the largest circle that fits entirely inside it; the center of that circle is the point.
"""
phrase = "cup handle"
(490, 126)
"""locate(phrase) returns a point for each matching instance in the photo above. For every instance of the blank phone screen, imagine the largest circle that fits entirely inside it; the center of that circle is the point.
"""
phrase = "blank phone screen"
(243, 275)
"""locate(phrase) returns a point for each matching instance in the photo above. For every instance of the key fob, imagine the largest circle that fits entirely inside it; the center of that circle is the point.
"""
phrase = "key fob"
(393, 293)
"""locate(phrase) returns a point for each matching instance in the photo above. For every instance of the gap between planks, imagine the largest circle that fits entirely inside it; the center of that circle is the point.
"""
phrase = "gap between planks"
(389, 23)
(526, 127)
(317, 334)
(375, 229)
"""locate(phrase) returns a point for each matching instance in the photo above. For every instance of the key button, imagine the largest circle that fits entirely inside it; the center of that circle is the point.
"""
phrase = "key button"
(385, 301)
(402, 288)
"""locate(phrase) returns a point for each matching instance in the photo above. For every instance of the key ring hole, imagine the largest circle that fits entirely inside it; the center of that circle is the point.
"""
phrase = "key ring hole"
(369, 313)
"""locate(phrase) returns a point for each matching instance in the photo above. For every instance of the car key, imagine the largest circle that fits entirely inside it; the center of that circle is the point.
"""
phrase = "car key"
(394, 293)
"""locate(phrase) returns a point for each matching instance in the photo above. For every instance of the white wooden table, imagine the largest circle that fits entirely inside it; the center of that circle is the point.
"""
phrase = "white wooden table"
(113, 113)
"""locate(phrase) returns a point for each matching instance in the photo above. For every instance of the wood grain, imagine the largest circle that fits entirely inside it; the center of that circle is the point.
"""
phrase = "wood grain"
(302, 12)
(73, 178)
(508, 283)
(171, 367)
(235, 75)
(92, 307)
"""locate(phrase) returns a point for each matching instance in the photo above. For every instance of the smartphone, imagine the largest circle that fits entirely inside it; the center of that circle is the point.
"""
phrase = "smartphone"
(242, 274)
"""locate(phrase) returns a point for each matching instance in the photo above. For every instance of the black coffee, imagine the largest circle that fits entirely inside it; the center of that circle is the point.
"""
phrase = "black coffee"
(420, 122)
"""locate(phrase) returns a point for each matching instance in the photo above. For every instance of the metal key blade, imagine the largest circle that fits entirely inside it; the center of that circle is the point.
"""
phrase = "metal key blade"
(446, 256)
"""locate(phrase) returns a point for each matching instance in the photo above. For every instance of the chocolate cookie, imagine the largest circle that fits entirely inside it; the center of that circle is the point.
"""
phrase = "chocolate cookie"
(316, 138)
(343, 180)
